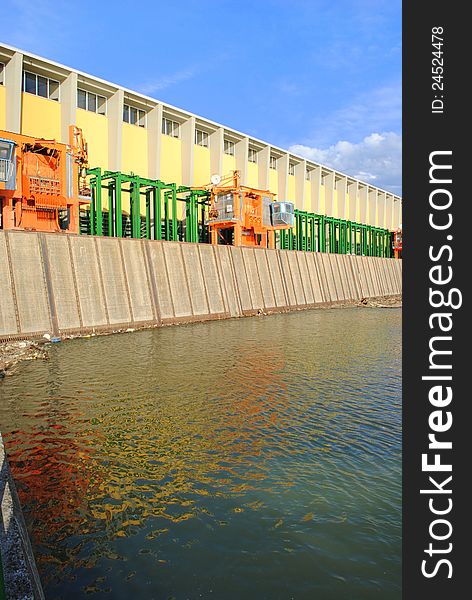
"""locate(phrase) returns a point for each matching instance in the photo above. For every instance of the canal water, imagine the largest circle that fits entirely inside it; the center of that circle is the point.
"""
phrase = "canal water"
(255, 459)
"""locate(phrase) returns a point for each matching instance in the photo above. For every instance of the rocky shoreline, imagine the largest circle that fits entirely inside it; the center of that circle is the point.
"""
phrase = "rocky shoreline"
(11, 353)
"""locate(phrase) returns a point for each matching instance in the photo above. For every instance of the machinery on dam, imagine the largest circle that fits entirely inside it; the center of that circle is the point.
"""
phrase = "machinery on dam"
(42, 182)
(244, 216)
(152, 212)
(47, 186)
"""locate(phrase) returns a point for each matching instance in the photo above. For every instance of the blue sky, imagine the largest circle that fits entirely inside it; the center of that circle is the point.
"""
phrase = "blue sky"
(321, 78)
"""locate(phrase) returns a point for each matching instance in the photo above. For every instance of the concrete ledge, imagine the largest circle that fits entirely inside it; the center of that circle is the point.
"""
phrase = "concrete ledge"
(21, 579)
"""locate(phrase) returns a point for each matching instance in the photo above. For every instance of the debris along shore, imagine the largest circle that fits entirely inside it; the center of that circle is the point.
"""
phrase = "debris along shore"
(11, 353)
(382, 302)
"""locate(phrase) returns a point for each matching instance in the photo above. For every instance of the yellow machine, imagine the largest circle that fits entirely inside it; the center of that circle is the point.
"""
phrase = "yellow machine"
(244, 216)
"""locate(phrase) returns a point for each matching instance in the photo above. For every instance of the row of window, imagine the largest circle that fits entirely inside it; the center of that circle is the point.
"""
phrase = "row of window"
(92, 102)
(40, 86)
(49, 88)
(134, 116)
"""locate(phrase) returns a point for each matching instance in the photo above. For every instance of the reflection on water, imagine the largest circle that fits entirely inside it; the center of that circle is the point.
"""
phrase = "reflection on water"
(253, 458)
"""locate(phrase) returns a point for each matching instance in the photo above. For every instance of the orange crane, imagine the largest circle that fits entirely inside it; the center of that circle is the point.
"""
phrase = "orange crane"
(244, 216)
(42, 182)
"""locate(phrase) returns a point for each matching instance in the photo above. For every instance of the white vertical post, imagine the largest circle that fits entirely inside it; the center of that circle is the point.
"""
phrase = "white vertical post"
(154, 126)
(282, 171)
(68, 105)
(341, 187)
(241, 152)
(381, 202)
(363, 204)
(328, 182)
(13, 87)
(389, 211)
(300, 170)
(353, 190)
(115, 130)
(188, 150)
(263, 167)
(397, 212)
(315, 179)
(216, 152)
(372, 207)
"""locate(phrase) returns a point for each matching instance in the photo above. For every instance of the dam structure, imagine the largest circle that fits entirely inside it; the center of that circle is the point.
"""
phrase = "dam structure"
(141, 264)
(135, 252)
(65, 284)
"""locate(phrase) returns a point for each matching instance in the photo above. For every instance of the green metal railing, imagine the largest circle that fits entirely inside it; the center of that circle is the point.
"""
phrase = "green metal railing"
(153, 214)
(319, 233)
(155, 198)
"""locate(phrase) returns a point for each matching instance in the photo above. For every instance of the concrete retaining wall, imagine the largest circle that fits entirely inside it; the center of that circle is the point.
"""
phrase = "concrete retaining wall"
(60, 284)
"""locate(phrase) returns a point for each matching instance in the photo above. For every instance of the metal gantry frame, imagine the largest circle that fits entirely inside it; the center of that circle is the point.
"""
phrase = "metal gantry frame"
(320, 233)
(312, 232)
(160, 213)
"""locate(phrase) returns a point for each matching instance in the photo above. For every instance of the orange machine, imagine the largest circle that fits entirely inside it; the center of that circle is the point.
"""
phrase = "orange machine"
(397, 243)
(42, 182)
(245, 216)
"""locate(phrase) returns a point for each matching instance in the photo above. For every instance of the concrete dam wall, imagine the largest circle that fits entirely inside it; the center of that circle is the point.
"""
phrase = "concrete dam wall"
(64, 284)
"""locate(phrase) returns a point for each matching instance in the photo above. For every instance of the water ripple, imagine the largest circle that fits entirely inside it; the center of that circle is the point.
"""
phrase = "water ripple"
(254, 458)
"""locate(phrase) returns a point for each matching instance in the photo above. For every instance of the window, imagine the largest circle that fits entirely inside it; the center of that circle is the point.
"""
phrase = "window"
(252, 155)
(201, 138)
(291, 168)
(307, 174)
(2, 73)
(40, 86)
(134, 116)
(170, 127)
(92, 102)
(229, 147)
(273, 162)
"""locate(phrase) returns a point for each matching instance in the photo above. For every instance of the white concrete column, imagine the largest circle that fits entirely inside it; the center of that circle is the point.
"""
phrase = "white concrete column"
(115, 127)
(241, 152)
(397, 212)
(217, 144)
(372, 207)
(154, 127)
(381, 202)
(341, 188)
(282, 173)
(300, 170)
(353, 191)
(315, 180)
(363, 204)
(13, 87)
(389, 211)
(328, 182)
(68, 105)
(263, 167)
(188, 150)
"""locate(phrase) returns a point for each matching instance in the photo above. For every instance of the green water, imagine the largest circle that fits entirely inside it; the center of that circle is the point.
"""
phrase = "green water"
(255, 459)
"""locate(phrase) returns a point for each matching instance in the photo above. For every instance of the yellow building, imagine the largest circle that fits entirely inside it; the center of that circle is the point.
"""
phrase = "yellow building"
(130, 132)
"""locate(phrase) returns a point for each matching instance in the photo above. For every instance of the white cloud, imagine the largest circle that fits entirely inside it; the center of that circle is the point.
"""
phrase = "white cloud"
(376, 109)
(166, 81)
(377, 159)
